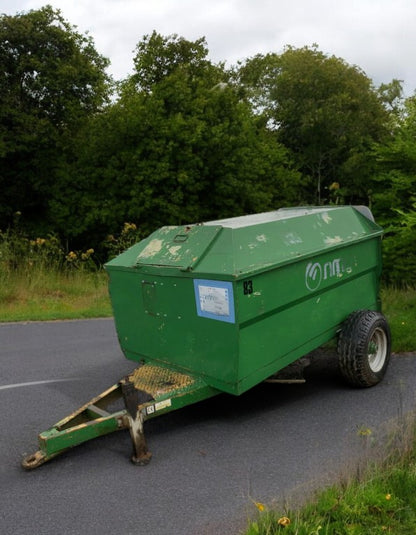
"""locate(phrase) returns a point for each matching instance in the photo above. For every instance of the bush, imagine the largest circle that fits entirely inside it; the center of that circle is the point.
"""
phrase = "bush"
(22, 255)
(399, 253)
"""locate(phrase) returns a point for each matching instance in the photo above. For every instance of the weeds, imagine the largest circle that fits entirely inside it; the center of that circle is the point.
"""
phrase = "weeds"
(20, 255)
(128, 236)
(399, 306)
(39, 280)
(377, 498)
(384, 502)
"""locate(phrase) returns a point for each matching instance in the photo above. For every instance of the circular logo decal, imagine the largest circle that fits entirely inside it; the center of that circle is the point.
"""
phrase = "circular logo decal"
(313, 276)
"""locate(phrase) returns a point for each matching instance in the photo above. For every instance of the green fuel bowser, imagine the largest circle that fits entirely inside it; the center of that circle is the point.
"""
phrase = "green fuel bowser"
(223, 305)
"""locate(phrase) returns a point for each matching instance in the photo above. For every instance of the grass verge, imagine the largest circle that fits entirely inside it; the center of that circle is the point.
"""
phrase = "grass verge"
(386, 503)
(54, 295)
(378, 498)
(399, 306)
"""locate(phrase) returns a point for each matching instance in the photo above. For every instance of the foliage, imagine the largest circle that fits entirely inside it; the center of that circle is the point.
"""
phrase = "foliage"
(399, 307)
(394, 198)
(20, 255)
(185, 140)
(128, 236)
(323, 109)
(391, 95)
(54, 295)
(399, 253)
(52, 79)
(177, 147)
(157, 57)
(40, 281)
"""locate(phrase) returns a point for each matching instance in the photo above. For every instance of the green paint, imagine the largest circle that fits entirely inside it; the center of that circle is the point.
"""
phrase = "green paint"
(296, 275)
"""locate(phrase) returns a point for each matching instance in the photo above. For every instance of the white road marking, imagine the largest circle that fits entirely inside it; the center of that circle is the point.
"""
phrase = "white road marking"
(33, 383)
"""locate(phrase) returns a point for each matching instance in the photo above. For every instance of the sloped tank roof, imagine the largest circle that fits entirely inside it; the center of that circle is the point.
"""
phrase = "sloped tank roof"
(239, 246)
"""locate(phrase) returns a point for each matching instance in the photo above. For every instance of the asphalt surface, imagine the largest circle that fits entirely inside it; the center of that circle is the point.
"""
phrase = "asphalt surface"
(211, 460)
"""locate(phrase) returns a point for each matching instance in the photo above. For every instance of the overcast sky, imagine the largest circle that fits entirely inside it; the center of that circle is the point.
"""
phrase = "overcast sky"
(377, 35)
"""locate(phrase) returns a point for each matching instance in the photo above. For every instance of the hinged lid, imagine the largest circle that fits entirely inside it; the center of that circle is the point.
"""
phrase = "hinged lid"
(180, 247)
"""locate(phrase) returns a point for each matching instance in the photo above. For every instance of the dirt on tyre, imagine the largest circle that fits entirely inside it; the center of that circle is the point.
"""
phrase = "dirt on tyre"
(364, 346)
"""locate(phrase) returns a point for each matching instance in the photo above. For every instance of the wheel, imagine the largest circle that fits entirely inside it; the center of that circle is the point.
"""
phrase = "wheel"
(364, 346)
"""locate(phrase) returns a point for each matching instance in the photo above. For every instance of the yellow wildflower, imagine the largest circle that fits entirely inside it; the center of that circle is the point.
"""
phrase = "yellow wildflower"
(71, 256)
(364, 432)
(284, 521)
(260, 506)
(128, 227)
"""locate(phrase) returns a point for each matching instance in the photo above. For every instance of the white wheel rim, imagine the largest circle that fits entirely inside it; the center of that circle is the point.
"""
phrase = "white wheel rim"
(377, 350)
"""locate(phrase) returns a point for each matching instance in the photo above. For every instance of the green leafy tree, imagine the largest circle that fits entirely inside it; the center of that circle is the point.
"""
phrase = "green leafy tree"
(324, 110)
(391, 95)
(394, 198)
(158, 56)
(178, 146)
(52, 80)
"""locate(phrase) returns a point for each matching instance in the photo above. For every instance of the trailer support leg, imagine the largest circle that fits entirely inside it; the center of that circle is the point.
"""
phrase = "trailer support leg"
(133, 398)
(141, 454)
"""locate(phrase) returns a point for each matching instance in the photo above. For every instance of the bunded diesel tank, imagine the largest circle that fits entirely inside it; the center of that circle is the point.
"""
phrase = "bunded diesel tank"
(236, 300)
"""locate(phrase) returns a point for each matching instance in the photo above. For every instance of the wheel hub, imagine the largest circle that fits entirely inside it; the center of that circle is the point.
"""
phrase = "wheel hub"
(377, 350)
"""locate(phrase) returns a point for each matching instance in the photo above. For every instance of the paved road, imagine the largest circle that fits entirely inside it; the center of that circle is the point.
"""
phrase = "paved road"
(210, 460)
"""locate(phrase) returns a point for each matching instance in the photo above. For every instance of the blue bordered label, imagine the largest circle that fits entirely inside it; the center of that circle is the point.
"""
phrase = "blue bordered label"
(214, 300)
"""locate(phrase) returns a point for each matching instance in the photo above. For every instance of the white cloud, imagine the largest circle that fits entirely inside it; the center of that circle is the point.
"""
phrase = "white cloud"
(376, 35)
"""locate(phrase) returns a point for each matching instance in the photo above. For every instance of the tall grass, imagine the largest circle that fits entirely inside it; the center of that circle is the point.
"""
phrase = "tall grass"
(51, 295)
(40, 281)
(399, 306)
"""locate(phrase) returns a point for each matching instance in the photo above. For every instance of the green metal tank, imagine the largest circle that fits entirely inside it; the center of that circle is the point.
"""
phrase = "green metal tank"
(236, 300)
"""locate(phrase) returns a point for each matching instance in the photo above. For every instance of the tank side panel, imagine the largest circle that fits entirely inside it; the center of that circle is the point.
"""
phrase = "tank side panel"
(290, 311)
(157, 321)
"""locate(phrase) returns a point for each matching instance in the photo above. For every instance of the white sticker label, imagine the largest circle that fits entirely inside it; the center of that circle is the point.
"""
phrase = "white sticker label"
(163, 404)
(214, 300)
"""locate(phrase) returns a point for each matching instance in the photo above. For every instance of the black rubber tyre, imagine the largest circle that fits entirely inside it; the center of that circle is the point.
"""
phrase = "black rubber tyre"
(364, 347)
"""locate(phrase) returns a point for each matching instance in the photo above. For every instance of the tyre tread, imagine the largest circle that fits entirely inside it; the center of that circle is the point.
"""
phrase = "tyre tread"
(352, 347)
